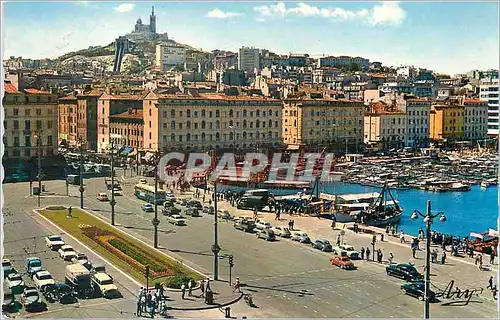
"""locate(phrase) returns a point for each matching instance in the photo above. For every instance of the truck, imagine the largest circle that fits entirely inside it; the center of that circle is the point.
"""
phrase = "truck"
(110, 185)
(73, 179)
(78, 277)
(251, 202)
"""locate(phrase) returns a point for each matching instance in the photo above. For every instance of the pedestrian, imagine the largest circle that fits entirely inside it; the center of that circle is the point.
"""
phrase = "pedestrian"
(152, 309)
(490, 283)
(183, 291)
(70, 209)
(202, 287)
(402, 237)
(492, 257)
(443, 257)
(380, 255)
(391, 257)
(138, 311)
(362, 251)
(338, 240)
(190, 288)
(480, 262)
(163, 308)
(208, 287)
(494, 292)
(367, 253)
(148, 299)
(333, 225)
(143, 303)
(237, 285)
(161, 291)
(293, 224)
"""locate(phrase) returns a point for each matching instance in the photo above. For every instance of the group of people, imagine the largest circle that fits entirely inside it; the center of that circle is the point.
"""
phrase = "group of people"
(378, 254)
(151, 303)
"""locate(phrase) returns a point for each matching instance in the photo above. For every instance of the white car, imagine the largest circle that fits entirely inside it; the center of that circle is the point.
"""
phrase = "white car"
(67, 252)
(176, 219)
(346, 250)
(300, 236)
(14, 281)
(54, 242)
(261, 224)
(104, 284)
(282, 232)
(42, 279)
(80, 258)
(117, 192)
(170, 195)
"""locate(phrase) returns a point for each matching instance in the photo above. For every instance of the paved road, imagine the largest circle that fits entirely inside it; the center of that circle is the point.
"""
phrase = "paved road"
(286, 279)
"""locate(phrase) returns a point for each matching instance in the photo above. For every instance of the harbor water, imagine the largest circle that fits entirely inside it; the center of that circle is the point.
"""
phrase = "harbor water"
(469, 211)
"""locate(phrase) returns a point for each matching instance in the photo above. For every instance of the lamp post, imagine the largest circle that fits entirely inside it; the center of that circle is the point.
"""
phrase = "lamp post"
(113, 202)
(82, 189)
(234, 138)
(215, 247)
(39, 175)
(156, 221)
(428, 218)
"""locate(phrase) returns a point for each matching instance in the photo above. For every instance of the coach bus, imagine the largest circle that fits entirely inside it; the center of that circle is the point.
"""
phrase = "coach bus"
(147, 193)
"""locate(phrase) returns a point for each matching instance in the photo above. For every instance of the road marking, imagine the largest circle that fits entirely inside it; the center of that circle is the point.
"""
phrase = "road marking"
(305, 307)
(367, 294)
(315, 311)
(337, 307)
(340, 294)
(302, 273)
(328, 302)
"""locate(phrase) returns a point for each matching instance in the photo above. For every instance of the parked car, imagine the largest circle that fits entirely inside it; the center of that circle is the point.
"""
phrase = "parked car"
(176, 219)
(42, 279)
(9, 301)
(170, 196)
(281, 232)
(97, 268)
(54, 242)
(147, 207)
(194, 204)
(102, 196)
(67, 252)
(346, 250)
(7, 267)
(193, 212)
(33, 265)
(323, 245)
(117, 191)
(60, 292)
(417, 289)
(15, 282)
(342, 262)
(404, 271)
(261, 224)
(170, 210)
(80, 258)
(244, 225)
(266, 234)
(30, 299)
(300, 236)
(105, 286)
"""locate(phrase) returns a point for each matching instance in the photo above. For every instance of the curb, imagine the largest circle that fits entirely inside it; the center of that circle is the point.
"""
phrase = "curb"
(208, 307)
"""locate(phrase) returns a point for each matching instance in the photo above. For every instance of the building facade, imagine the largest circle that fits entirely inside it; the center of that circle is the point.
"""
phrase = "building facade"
(344, 61)
(127, 129)
(210, 121)
(446, 123)
(248, 59)
(31, 121)
(385, 129)
(417, 122)
(335, 123)
(108, 106)
(488, 91)
(170, 55)
(475, 119)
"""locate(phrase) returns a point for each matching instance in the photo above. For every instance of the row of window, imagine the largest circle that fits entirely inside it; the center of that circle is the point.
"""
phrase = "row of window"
(203, 113)
(127, 142)
(27, 112)
(123, 131)
(38, 99)
(16, 153)
(27, 124)
(418, 113)
(27, 141)
(203, 125)
(210, 137)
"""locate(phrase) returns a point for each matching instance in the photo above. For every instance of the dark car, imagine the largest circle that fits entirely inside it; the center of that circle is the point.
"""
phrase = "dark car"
(171, 210)
(417, 289)
(60, 292)
(266, 234)
(7, 267)
(404, 271)
(323, 245)
(194, 204)
(194, 212)
(8, 302)
(31, 301)
(245, 225)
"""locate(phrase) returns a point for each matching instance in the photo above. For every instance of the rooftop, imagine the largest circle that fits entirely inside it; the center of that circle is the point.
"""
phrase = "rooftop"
(36, 91)
(215, 96)
(106, 96)
(9, 87)
(129, 114)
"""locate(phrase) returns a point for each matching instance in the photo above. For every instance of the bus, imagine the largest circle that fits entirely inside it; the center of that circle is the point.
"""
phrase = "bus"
(147, 193)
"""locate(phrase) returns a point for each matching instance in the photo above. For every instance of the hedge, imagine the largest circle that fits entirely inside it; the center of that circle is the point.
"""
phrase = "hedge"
(136, 255)
(175, 282)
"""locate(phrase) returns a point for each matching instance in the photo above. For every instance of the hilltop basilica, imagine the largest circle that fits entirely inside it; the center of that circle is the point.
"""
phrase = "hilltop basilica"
(146, 31)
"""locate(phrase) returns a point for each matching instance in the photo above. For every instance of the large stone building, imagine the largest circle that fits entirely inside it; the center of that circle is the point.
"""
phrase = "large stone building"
(127, 129)
(475, 119)
(146, 31)
(417, 117)
(248, 59)
(323, 122)
(344, 62)
(30, 118)
(385, 126)
(170, 56)
(210, 121)
(108, 106)
(78, 119)
(488, 91)
(446, 123)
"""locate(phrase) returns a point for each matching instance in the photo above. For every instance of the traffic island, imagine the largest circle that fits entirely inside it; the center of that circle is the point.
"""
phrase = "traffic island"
(125, 252)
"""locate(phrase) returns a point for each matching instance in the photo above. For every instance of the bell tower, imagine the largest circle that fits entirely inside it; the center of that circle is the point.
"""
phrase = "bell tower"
(152, 21)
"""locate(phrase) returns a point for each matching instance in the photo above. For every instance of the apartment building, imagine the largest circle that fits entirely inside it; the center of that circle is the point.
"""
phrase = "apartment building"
(488, 91)
(169, 56)
(205, 122)
(127, 129)
(475, 119)
(385, 129)
(344, 61)
(446, 123)
(322, 121)
(31, 121)
(417, 121)
(108, 106)
(248, 59)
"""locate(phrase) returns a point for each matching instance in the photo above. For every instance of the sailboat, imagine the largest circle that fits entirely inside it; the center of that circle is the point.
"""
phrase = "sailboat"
(384, 210)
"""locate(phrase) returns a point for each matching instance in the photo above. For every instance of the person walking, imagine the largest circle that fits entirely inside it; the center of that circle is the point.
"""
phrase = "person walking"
(414, 252)
(492, 257)
(480, 262)
(138, 311)
(237, 285)
(402, 237)
(143, 303)
(338, 240)
(443, 257)
(367, 253)
(490, 283)
(391, 257)
(362, 251)
(494, 292)
(183, 291)
(190, 288)
(202, 287)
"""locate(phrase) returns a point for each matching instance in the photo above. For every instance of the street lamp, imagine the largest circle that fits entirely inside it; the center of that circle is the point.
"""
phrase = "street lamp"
(113, 202)
(82, 189)
(234, 138)
(428, 219)
(156, 221)
(39, 175)
(215, 247)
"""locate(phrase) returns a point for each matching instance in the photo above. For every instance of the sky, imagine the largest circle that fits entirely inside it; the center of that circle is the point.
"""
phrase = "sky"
(447, 37)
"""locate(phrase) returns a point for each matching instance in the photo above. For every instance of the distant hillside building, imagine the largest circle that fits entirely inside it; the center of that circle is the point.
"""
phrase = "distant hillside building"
(170, 55)
(146, 31)
(248, 59)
